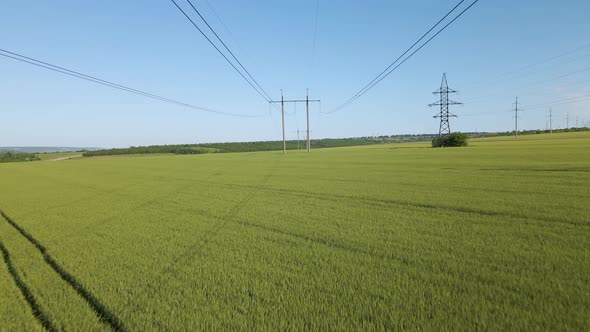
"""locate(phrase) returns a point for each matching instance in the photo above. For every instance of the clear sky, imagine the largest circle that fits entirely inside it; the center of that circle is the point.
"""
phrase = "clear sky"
(536, 50)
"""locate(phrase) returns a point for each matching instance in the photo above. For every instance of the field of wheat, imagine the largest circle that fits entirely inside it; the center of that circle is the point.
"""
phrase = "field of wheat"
(491, 236)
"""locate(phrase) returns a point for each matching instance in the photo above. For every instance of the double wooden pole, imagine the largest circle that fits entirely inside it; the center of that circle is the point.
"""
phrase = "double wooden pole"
(306, 101)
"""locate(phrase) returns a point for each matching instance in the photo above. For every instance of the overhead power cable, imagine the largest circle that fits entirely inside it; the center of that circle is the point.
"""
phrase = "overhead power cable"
(540, 106)
(252, 82)
(387, 71)
(516, 73)
(484, 98)
(227, 48)
(570, 100)
(225, 27)
(73, 73)
(315, 31)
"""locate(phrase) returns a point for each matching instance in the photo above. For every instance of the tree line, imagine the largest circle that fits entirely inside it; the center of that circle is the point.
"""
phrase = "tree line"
(9, 157)
(258, 146)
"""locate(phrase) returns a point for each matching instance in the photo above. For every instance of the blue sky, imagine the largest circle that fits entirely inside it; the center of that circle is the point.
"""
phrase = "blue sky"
(500, 49)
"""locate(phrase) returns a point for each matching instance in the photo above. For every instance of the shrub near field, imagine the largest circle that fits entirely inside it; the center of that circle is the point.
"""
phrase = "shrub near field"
(452, 140)
(8, 157)
(494, 237)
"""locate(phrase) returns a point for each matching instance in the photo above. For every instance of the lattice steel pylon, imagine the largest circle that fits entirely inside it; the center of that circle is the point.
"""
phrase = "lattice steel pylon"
(444, 103)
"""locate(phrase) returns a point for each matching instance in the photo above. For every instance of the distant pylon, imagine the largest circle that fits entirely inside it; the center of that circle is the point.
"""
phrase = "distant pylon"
(444, 103)
(551, 120)
(516, 119)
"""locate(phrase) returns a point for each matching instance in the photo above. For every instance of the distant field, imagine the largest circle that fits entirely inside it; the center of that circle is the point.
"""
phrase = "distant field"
(528, 137)
(56, 155)
(494, 236)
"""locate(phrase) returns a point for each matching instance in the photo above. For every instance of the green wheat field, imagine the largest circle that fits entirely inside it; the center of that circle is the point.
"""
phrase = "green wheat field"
(494, 236)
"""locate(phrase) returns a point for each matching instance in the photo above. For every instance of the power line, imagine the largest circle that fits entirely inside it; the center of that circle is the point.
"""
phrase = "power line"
(73, 73)
(532, 65)
(480, 113)
(261, 92)
(227, 48)
(315, 31)
(540, 106)
(227, 29)
(416, 51)
(481, 99)
(559, 102)
(387, 71)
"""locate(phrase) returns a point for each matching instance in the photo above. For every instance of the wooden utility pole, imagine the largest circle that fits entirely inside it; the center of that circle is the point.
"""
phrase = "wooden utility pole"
(516, 119)
(298, 132)
(307, 112)
(283, 121)
(550, 120)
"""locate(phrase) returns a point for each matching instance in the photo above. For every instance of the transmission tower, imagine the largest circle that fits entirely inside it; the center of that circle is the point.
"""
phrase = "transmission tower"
(444, 103)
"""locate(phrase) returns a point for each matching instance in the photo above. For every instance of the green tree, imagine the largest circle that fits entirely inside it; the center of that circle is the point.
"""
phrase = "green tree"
(452, 140)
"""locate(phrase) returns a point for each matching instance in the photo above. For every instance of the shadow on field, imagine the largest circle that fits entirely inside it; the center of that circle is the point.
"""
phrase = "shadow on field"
(409, 147)
(223, 221)
(376, 201)
(27, 294)
(523, 169)
(103, 313)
